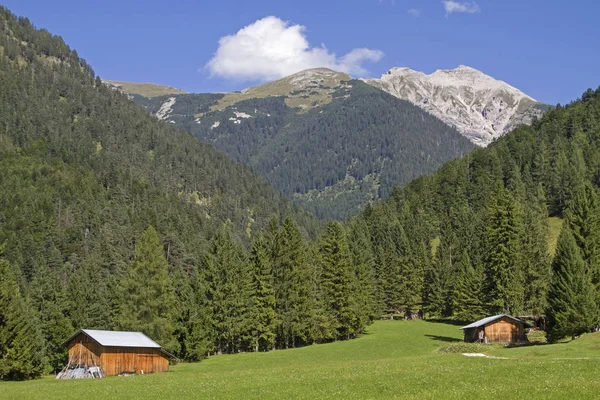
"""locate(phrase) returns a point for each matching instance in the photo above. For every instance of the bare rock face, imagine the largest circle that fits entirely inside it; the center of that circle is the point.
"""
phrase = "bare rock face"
(479, 106)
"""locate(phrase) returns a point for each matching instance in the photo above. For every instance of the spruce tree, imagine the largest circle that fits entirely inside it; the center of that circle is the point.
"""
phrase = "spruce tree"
(536, 258)
(571, 306)
(364, 270)
(294, 294)
(263, 297)
(504, 260)
(22, 346)
(583, 218)
(228, 291)
(148, 292)
(338, 280)
(467, 304)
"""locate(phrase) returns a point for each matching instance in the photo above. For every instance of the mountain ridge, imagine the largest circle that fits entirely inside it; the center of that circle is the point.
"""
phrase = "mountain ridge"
(481, 107)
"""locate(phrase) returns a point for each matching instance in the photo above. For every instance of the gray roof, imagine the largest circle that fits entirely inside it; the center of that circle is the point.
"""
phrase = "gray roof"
(121, 339)
(487, 320)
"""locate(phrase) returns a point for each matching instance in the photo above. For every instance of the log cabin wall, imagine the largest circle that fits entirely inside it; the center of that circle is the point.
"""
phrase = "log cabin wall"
(117, 360)
(505, 330)
(84, 350)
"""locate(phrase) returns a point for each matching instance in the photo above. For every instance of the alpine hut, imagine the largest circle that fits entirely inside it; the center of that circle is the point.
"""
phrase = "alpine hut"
(94, 353)
(502, 328)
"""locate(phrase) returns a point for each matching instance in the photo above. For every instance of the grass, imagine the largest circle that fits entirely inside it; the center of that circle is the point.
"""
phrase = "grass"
(287, 87)
(146, 89)
(395, 359)
(554, 228)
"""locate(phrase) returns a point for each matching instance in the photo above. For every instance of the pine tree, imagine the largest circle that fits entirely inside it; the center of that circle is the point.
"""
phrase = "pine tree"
(583, 218)
(338, 280)
(22, 347)
(536, 258)
(293, 284)
(149, 296)
(364, 271)
(228, 293)
(263, 296)
(572, 309)
(504, 262)
(467, 293)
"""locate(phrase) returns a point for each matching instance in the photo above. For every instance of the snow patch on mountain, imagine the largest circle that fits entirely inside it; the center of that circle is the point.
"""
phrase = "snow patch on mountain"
(480, 107)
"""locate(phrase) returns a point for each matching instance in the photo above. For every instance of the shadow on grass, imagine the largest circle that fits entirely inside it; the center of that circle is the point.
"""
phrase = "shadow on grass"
(443, 338)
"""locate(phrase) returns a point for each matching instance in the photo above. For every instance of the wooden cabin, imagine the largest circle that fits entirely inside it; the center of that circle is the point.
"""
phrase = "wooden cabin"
(501, 328)
(116, 353)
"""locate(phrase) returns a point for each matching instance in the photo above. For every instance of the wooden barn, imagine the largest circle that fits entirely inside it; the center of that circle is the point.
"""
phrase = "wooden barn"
(498, 328)
(115, 353)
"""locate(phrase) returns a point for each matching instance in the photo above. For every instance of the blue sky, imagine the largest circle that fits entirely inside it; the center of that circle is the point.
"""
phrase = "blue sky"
(549, 49)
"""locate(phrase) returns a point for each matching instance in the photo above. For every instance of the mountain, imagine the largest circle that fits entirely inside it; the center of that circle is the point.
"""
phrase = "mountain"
(479, 106)
(330, 143)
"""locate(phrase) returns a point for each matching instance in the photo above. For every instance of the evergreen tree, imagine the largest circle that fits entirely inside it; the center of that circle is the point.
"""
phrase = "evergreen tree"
(263, 296)
(504, 263)
(338, 280)
(292, 273)
(21, 342)
(571, 306)
(467, 293)
(149, 296)
(229, 289)
(536, 259)
(364, 271)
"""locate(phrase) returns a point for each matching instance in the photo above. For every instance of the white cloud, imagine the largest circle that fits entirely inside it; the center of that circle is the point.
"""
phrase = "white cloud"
(457, 7)
(414, 12)
(271, 48)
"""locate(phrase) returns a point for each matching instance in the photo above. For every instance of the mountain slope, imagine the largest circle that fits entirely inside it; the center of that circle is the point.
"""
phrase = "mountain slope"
(85, 170)
(329, 143)
(145, 89)
(479, 106)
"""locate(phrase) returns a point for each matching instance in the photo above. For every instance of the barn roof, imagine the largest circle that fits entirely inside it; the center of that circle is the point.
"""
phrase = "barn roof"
(487, 320)
(119, 339)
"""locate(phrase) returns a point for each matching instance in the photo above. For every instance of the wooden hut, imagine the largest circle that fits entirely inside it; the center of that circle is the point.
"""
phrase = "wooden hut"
(498, 328)
(115, 353)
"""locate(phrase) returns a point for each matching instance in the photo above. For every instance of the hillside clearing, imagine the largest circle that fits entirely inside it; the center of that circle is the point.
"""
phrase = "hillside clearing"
(395, 359)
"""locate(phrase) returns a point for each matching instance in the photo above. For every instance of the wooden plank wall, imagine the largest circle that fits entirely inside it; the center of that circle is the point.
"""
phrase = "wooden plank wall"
(116, 360)
(505, 330)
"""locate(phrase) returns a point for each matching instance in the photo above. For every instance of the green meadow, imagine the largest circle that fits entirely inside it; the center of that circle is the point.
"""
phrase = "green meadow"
(395, 359)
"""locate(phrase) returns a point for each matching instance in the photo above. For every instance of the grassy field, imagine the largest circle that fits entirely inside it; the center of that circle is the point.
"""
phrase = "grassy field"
(396, 359)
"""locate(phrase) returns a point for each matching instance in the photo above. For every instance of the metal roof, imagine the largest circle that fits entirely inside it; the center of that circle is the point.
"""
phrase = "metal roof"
(493, 318)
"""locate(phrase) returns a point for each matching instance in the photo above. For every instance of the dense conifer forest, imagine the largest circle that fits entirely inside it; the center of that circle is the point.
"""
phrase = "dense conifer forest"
(110, 219)
(332, 159)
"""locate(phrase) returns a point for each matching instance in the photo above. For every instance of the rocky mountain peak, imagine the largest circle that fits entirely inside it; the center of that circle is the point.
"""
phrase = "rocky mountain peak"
(480, 107)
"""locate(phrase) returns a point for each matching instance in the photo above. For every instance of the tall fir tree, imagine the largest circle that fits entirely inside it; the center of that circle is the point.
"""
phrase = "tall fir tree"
(467, 296)
(149, 298)
(571, 305)
(263, 297)
(338, 280)
(363, 263)
(536, 257)
(504, 261)
(229, 288)
(22, 345)
(292, 273)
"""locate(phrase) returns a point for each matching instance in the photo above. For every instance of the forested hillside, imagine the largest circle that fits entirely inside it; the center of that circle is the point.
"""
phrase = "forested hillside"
(331, 158)
(471, 239)
(83, 173)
